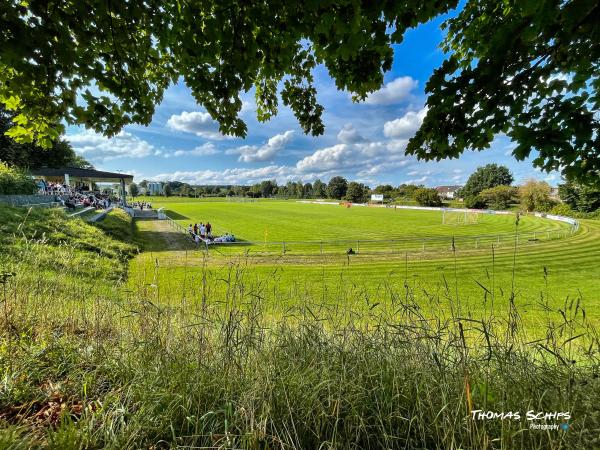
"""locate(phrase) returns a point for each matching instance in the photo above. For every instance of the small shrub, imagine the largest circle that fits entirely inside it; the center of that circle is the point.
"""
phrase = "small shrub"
(428, 197)
(474, 201)
(15, 182)
(498, 197)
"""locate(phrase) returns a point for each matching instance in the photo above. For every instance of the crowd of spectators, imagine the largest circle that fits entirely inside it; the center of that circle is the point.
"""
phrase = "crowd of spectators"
(80, 195)
(76, 199)
(50, 188)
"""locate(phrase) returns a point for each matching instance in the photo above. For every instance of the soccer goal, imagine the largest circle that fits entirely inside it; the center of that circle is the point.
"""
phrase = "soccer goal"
(459, 217)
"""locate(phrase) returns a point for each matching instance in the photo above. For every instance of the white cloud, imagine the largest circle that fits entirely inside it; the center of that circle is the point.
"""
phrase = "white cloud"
(230, 176)
(97, 147)
(202, 150)
(253, 153)
(406, 126)
(196, 122)
(393, 92)
(417, 181)
(356, 152)
(342, 156)
(349, 135)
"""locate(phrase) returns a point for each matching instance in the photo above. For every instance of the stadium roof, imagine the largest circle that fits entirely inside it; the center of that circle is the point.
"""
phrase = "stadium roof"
(76, 172)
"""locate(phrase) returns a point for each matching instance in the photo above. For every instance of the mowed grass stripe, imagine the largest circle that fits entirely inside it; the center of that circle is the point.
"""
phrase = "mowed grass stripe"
(572, 263)
(293, 221)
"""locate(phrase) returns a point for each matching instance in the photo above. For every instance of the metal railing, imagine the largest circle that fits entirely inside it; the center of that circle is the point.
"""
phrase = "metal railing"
(391, 246)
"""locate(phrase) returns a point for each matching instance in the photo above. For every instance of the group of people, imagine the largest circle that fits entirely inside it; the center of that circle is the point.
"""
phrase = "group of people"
(75, 199)
(141, 205)
(202, 232)
(50, 188)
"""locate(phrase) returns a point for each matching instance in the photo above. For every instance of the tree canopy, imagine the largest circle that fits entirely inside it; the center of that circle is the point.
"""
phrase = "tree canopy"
(529, 69)
(488, 176)
(526, 68)
(579, 197)
(105, 64)
(535, 196)
(31, 156)
(337, 187)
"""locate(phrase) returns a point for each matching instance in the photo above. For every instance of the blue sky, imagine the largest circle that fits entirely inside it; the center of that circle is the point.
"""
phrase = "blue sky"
(363, 141)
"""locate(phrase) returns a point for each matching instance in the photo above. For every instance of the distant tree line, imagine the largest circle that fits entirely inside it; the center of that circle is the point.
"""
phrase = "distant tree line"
(338, 188)
(488, 187)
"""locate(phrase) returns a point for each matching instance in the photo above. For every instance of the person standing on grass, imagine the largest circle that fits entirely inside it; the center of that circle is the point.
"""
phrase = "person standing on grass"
(202, 230)
(208, 229)
(195, 228)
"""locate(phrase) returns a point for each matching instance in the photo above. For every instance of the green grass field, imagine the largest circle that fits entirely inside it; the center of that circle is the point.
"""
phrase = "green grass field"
(103, 346)
(294, 221)
(534, 273)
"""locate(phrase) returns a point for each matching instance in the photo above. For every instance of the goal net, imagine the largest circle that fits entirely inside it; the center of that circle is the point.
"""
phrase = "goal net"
(459, 217)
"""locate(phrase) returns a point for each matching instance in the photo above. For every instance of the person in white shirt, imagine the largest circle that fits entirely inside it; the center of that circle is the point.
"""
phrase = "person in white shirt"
(202, 230)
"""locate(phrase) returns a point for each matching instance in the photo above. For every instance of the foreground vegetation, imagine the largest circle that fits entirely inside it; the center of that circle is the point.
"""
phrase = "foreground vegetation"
(88, 361)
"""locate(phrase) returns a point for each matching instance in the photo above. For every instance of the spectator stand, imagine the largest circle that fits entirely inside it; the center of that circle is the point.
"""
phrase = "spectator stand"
(70, 180)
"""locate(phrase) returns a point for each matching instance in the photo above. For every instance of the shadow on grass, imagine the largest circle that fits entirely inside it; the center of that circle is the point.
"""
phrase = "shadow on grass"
(157, 241)
(175, 215)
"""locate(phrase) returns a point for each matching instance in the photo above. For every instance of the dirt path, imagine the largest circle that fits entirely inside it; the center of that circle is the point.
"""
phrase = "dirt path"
(159, 235)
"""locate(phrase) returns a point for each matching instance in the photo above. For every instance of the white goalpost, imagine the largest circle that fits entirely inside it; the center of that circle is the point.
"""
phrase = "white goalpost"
(453, 217)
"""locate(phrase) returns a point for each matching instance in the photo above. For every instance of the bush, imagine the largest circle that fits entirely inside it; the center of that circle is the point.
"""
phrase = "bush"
(535, 196)
(428, 197)
(15, 182)
(562, 209)
(498, 197)
(474, 201)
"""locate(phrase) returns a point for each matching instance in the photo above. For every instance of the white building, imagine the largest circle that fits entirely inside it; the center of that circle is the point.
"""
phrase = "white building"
(154, 188)
(448, 192)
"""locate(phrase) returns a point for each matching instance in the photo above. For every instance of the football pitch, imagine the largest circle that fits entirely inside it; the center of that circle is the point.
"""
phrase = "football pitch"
(534, 274)
(274, 220)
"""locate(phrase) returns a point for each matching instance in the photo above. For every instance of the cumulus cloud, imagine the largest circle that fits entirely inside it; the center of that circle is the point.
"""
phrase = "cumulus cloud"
(342, 156)
(393, 92)
(97, 147)
(405, 126)
(349, 135)
(356, 152)
(196, 122)
(253, 153)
